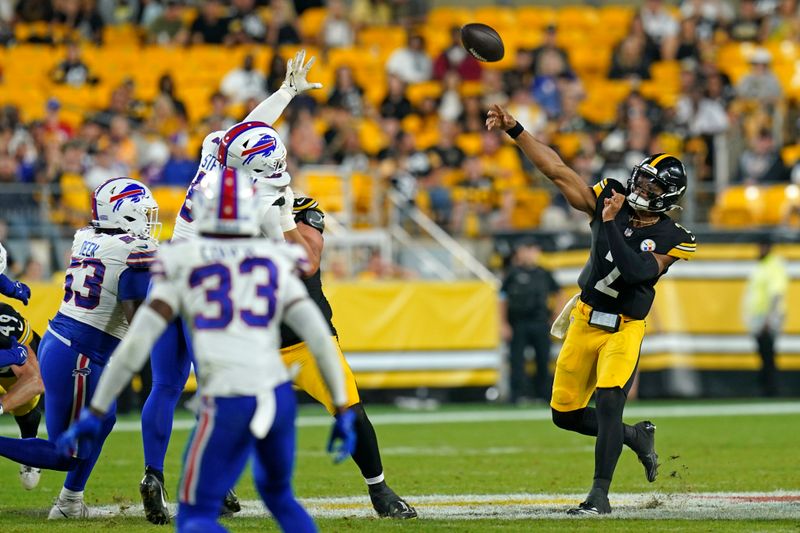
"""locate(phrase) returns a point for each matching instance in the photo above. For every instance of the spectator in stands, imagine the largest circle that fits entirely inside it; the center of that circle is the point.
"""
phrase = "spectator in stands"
(473, 118)
(652, 52)
(105, 165)
(456, 58)
(32, 272)
(525, 110)
(450, 105)
(366, 13)
(168, 27)
(520, 76)
(687, 44)
(339, 121)
(749, 25)
(166, 87)
(525, 320)
(120, 134)
(181, 167)
(337, 31)
(218, 118)
(629, 60)
(446, 153)
(54, 125)
(708, 15)
(784, 25)
(570, 119)
(346, 93)
(276, 73)
(72, 70)
(661, 26)
(492, 89)
(211, 24)
(760, 83)
(764, 310)
(549, 47)
(283, 24)
(474, 200)
(396, 104)
(247, 25)
(699, 114)
(761, 162)
(411, 63)
(305, 144)
(501, 161)
(243, 83)
(545, 87)
(81, 18)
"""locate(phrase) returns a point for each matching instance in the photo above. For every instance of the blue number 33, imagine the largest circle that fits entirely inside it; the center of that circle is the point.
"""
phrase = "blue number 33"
(221, 293)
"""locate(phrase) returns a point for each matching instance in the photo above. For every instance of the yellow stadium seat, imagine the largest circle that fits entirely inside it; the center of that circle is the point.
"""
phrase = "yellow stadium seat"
(445, 17)
(590, 61)
(528, 207)
(500, 18)
(327, 189)
(383, 37)
(738, 206)
(470, 142)
(371, 137)
(75, 199)
(362, 188)
(311, 21)
(121, 35)
(417, 92)
(580, 18)
(532, 17)
(616, 18)
(568, 144)
(790, 154)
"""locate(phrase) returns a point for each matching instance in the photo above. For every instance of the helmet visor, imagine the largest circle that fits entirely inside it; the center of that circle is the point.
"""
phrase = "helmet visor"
(646, 185)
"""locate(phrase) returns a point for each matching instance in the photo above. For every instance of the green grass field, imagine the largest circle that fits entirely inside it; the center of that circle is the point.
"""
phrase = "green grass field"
(510, 466)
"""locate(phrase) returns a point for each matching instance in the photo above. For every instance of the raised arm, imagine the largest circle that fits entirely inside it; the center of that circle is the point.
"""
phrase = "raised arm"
(269, 110)
(575, 190)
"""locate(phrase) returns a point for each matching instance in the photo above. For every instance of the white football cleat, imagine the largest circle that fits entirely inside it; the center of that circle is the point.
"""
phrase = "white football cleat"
(29, 476)
(64, 508)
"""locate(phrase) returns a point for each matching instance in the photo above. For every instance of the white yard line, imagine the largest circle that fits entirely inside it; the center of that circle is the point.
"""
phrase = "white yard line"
(690, 506)
(653, 412)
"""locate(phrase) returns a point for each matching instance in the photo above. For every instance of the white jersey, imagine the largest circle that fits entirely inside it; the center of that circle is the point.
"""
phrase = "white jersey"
(269, 214)
(232, 294)
(92, 287)
(3, 260)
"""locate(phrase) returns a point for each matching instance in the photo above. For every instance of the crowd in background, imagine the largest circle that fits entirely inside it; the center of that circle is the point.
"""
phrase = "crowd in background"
(470, 191)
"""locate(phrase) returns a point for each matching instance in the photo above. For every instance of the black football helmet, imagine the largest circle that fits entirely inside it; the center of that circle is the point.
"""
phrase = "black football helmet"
(656, 184)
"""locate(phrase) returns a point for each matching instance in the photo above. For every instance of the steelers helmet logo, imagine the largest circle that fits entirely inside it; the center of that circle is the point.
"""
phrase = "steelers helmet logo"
(648, 245)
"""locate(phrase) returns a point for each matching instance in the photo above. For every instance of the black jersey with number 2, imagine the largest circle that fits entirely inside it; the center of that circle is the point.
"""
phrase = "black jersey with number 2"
(602, 286)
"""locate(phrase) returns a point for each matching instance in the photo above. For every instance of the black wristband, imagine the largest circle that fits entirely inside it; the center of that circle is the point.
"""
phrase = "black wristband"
(516, 131)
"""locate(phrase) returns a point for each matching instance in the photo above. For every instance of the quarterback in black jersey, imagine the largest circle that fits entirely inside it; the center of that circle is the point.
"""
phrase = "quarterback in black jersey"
(310, 223)
(633, 244)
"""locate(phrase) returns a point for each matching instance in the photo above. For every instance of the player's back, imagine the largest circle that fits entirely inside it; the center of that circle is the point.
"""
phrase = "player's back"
(232, 294)
(184, 227)
(103, 267)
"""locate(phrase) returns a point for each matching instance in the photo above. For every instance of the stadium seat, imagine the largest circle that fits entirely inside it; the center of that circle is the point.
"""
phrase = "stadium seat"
(737, 206)
(790, 154)
(533, 17)
(169, 200)
(470, 142)
(568, 144)
(310, 23)
(590, 61)
(501, 18)
(529, 204)
(445, 17)
(327, 189)
(417, 92)
(577, 18)
(384, 37)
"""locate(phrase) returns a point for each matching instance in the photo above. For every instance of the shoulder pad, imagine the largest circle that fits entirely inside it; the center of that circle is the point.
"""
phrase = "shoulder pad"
(13, 324)
(141, 253)
(307, 210)
(684, 245)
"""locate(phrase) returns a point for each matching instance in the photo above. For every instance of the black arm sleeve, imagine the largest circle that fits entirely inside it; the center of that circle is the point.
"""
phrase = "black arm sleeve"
(633, 266)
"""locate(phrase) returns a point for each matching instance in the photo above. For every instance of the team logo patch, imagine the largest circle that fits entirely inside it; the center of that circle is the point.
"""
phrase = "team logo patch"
(264, 147)
(81, 371)
(133, 192)
(648, 245)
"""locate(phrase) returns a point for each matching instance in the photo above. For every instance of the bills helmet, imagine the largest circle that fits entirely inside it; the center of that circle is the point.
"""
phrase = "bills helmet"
(128, 205)
(256, 149)
(225, 202)
(656, 184)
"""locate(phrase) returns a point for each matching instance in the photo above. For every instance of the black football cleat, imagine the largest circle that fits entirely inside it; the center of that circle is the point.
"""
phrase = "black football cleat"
(388, 504)
(648, 456)
(596, 504)
(230, 504)
(154, 499)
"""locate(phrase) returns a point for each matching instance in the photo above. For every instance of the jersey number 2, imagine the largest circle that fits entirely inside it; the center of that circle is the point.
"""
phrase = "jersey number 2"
(221, 294)
(604, 285)
(93, 283)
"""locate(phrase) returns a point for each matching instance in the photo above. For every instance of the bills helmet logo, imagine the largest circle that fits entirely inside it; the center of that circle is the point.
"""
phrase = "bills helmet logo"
(263, 147)
(133, 192)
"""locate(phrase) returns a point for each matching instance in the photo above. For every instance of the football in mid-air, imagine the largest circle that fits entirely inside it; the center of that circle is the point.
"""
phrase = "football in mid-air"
(482, 42)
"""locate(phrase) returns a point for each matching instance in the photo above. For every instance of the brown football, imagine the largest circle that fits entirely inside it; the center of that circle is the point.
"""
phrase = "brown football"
(482, 42)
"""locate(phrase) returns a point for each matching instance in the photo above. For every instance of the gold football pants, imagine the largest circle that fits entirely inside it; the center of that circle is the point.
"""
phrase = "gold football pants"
(592, 358)
(24, 409)
(302, 365)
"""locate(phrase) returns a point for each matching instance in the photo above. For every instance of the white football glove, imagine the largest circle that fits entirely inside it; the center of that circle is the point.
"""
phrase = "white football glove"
(296, 74)
(287, 210)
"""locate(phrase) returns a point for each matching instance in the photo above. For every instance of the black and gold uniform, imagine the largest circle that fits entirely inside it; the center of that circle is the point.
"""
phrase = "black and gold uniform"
(591, 357)
(13, 324)
(296, 355)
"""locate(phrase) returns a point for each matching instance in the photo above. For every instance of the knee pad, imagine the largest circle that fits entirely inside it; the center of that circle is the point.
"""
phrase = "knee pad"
(563, 396)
